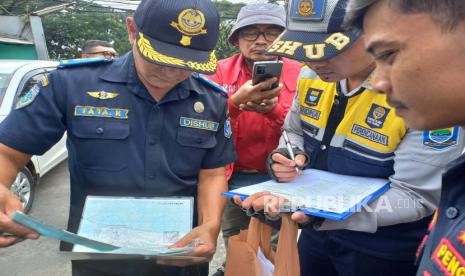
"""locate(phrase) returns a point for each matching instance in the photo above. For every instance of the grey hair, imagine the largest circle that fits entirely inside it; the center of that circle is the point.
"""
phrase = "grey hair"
(446, 13)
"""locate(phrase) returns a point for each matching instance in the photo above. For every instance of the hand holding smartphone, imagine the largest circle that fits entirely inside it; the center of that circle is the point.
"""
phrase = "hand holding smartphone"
(263, 70)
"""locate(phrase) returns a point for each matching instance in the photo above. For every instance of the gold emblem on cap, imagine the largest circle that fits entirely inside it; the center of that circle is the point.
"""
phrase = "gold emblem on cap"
(199, 107)
(103, 95)
(306, 7)
(190, 23)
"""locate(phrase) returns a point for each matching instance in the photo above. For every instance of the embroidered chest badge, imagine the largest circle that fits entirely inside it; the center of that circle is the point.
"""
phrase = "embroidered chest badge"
(448, 258)
(103, 95)
(100, 111)
(377, 116)
(199, 124)
(312, 98)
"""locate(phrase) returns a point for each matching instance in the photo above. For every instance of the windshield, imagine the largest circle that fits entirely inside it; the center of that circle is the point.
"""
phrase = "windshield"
(4, 81)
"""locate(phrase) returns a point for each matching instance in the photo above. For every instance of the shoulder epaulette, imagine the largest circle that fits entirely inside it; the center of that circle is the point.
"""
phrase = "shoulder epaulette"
(210, 83)
(67, 63)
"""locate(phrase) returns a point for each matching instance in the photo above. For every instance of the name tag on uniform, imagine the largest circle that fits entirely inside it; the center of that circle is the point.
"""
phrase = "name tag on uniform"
(200, 124)
(100, 111)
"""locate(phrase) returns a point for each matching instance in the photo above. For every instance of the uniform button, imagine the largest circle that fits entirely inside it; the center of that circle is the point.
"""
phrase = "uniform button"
(336, 101)
(198, 140)
(323, 147)
(452, 212)
(99, 130)
(151, 176)
(152, 142)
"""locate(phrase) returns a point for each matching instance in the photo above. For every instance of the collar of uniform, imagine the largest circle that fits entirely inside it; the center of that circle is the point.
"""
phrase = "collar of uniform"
(365, 85)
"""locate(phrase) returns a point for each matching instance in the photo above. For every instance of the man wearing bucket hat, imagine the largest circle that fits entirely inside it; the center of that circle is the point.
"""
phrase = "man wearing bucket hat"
(345, 127)
(256, 115)
(144, 125)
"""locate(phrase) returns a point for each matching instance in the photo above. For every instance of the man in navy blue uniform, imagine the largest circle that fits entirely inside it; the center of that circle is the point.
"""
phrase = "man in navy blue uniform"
(147, 124)
(419, 51)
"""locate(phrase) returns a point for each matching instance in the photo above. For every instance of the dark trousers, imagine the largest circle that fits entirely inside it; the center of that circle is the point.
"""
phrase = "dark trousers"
(133, 268)
(322, 256)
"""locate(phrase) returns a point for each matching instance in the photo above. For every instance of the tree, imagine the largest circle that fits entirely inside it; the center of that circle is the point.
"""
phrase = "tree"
(224, 49)
(228, 12)
(67, 31)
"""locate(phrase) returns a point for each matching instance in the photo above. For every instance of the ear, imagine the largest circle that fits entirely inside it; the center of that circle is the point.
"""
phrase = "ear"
(131, 29)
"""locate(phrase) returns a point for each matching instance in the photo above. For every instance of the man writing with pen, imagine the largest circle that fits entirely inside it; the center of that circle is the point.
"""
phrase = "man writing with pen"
(337, 123)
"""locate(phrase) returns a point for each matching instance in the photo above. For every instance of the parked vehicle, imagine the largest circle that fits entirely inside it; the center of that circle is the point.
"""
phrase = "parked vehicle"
(17, 77)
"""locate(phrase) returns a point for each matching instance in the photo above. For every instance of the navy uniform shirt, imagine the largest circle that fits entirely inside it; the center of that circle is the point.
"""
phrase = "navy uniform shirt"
(120, 140)
(445, 250)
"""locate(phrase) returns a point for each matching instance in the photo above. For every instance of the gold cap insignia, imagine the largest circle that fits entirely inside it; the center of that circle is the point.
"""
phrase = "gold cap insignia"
(199, 107)
(103, 95)
(190, 23)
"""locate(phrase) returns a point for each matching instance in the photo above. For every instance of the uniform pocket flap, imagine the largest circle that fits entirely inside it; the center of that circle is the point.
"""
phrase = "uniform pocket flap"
(100, 130)
(197, 138)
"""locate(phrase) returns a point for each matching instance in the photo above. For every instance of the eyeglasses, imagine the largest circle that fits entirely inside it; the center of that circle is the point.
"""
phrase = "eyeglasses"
(106, 54)
(252, 35)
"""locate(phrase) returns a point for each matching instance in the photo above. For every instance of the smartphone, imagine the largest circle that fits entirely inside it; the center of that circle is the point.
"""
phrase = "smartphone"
(263, 70)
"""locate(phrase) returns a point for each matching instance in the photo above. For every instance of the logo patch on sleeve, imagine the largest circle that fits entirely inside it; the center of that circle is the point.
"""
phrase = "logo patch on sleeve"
(377, 116)
(227, 128)
(28, 97)
(441, 138)
(199, 124)
(100, 111)
(448, 259)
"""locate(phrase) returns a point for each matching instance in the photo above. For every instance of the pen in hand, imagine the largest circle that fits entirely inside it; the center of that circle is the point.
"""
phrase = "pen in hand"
(289, 148)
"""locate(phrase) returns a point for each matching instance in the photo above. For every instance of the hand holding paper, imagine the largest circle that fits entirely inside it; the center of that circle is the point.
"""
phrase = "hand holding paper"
(205, 237)
(316, 193)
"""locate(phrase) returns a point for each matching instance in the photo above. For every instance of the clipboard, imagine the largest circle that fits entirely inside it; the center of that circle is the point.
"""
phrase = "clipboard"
(377, 188)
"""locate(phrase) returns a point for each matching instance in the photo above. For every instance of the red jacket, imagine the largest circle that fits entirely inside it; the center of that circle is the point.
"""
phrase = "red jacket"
(255, 134)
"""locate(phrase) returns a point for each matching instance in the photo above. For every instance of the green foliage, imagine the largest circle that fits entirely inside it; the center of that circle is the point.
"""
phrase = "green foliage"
(227, 9)
(66, 32)
(224, 49)
(228, 12)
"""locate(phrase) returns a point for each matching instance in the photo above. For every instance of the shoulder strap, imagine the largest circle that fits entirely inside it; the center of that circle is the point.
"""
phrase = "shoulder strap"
(67, 63)
(210, 83)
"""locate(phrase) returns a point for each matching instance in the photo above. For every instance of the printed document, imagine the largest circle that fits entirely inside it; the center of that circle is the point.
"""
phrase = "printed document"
(124, 225)
(135, 225)
(320, 190)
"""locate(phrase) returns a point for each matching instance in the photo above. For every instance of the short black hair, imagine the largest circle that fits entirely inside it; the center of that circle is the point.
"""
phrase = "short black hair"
(446, 13)
(89, 45)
